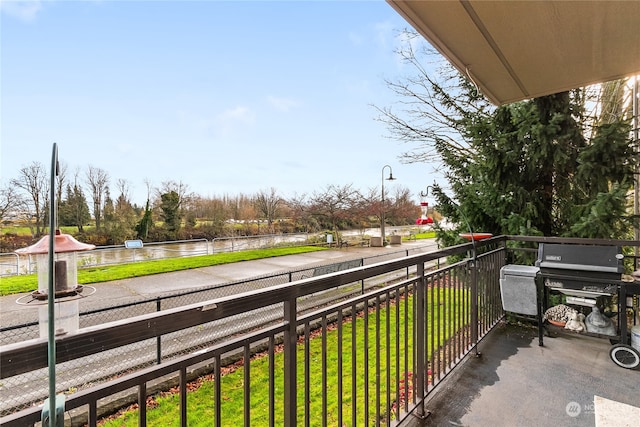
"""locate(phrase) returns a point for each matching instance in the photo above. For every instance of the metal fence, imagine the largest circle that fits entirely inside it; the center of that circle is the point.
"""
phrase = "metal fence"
(369, 353)
(364, 358)
(9, 264)
(243, 243)
(15, 330)
(182, 342)
(12, 264)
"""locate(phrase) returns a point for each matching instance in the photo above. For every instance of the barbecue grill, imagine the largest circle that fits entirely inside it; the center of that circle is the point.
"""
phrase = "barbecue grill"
(588, 276)
(581, 270)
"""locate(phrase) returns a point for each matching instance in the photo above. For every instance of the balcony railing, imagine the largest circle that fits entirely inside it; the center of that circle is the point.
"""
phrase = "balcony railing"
(366, 359)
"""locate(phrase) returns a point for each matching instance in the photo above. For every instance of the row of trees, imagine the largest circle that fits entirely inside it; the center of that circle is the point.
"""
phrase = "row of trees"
(173, 212)
(559, 165)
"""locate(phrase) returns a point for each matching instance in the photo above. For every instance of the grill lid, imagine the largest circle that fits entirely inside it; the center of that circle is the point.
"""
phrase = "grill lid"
(586, 258)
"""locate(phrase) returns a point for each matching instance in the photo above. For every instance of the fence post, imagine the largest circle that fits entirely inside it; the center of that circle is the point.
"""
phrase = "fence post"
(406, 254)
(159, 337)
(420, 322)
(362, 281)
(290, 363)
(474, 303)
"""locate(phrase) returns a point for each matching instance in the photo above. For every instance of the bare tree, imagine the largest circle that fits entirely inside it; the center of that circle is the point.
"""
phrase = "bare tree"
(213, 211)
(61, 180)
(33, 181)
(124, 190)
(300, 213)
(147, 184)
(11, 202)
(369, 208)
(403, 210)
(267, 204)
(179, 188)
(239, 207)
(335, 205)
(98, 181)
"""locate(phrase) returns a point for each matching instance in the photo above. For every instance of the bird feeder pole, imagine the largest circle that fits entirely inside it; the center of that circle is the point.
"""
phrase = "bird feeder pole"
(51, 290)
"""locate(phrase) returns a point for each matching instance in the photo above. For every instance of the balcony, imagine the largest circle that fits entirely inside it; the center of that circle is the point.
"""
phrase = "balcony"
(425, 345)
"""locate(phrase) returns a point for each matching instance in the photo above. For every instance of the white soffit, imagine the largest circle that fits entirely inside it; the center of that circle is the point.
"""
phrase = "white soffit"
(515, 50)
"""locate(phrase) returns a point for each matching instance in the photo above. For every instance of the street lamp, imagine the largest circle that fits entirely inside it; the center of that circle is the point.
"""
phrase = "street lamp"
(391, 178)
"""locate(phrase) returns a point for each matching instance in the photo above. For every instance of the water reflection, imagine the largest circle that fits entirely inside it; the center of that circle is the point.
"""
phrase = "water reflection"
(110, 255)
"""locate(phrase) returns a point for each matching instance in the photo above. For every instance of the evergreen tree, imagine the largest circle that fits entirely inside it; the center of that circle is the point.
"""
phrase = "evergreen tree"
(108, 211)
(126, 216)
(145, 224)
(118, 225)
(74, 211)
(171, 213)
(533, 172)
(534, 167)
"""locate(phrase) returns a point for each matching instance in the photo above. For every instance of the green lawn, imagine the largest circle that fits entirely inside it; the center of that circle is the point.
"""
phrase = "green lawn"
(201, 408)
(28, 283)
(426, 235)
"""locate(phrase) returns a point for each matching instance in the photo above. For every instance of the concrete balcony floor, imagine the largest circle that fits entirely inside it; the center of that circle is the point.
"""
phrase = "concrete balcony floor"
(570, 381)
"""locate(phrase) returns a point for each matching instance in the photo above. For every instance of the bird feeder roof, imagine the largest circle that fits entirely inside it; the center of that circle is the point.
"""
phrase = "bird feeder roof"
(62, 243)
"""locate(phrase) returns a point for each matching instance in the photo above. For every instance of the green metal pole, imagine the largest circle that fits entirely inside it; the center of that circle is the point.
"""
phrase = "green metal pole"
(51, 291)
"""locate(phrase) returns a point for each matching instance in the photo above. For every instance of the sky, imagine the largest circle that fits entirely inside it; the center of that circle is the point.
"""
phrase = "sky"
(227, 97)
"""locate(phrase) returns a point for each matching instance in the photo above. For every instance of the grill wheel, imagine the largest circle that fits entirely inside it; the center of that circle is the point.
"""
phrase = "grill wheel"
(625, 356)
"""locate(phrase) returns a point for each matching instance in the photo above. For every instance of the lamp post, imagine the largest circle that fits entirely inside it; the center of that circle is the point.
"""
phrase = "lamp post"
(391, 178)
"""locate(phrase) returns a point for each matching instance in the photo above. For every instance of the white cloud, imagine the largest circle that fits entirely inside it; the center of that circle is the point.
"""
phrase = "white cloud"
(360, 86)
(193, 122)
(125, 148)
(282, 104)
(384, 33)
(237, 114)
(24, 10)
(227, 121)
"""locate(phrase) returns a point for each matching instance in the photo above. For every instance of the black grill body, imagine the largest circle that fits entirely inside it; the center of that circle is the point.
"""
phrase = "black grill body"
(588, 276)
(585, 269)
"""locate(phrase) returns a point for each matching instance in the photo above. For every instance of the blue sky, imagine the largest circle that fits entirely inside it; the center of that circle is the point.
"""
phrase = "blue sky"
(227, 97)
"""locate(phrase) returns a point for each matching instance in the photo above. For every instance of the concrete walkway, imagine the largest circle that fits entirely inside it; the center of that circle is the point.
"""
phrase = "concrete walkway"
(571, 381)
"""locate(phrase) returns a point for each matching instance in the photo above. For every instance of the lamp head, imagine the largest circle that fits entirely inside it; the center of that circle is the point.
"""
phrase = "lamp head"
(391, 178)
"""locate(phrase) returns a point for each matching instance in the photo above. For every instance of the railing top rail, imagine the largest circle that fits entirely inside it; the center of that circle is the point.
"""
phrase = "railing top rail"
(574, 240)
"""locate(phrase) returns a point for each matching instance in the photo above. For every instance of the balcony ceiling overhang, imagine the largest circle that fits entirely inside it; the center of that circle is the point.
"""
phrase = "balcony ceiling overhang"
(515, 50)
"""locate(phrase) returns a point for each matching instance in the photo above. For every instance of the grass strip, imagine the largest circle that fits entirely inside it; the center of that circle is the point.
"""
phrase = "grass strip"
(29, 282)
(165, 410)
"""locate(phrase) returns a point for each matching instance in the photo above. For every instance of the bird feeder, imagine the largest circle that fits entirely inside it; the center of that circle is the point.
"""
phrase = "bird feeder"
(475, 236)
(424, 218)
(65, 279)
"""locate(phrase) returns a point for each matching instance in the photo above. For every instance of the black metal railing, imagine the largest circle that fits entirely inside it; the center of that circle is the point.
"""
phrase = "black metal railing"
(369, 358)
(379, 352)
(168, 346)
